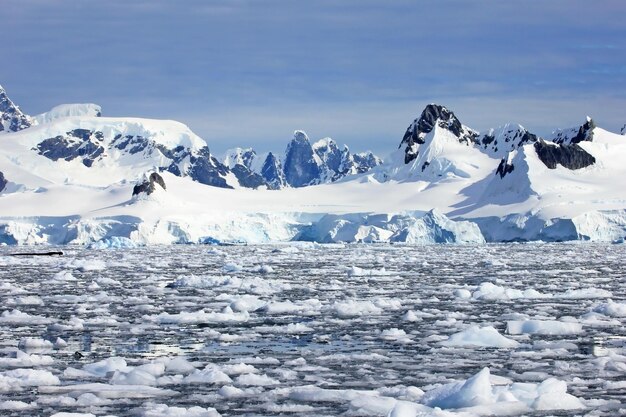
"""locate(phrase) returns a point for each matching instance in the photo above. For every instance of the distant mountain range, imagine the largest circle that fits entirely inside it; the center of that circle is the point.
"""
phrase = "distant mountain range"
(154, 181)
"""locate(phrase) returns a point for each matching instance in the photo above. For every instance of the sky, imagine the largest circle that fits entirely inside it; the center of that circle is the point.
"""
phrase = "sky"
(250, 72)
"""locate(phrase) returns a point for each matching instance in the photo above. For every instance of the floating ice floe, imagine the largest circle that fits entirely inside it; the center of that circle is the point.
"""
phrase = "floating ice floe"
(200, 316)
(611, 308)
(163, 410)
(486, 336)
(19, 359)
(19, 317)
(543, 327)
(17, 379)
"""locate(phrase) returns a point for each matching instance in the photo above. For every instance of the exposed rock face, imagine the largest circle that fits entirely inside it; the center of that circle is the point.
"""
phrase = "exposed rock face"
(272, 172)
(302, 166)
(91, 146)
(240, 162)
(330, 155)
(505, 167)
(78, 143)
(574, 135)
(206, 169)
(623, 131)
(569, 156)
(148, 185)
(365, 161)
(3, 181)
(247, 178)
(11, 117)
(432, 115)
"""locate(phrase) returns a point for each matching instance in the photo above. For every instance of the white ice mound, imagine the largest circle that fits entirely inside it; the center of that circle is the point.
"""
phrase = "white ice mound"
(479, 393)
(410, 227)
(69, 110)
(476, 390)
(480, 336)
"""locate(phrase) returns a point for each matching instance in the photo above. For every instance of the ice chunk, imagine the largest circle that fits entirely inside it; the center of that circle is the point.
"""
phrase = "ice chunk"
(486, 336)
(474, 391)
(543, 327)
(162, 410)
(611, 308)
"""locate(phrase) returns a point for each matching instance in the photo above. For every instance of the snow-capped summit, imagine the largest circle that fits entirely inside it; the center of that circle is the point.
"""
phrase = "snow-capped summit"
(572, 135)
(239, 156)
(504, 139)
(68, 110)
(12, 118)
(433, 115)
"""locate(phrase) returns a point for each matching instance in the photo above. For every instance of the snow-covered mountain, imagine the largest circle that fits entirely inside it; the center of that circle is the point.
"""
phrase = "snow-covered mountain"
(73, 176)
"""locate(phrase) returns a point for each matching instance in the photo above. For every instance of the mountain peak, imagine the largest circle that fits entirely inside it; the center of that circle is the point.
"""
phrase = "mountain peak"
(582, 133)
(300, 136)
(433, 115)
(12, 118)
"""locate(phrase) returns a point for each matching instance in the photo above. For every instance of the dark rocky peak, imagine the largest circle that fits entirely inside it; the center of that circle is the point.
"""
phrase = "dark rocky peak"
(433, 115)
(504, 139)
(3, 181)
(623, 130)
(272, 172)
(570, 156)
(301, 165)
(148, 184)
(12, 118)
(583, 133)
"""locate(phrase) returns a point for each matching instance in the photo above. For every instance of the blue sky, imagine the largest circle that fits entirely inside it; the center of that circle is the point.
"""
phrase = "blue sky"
(248, 73)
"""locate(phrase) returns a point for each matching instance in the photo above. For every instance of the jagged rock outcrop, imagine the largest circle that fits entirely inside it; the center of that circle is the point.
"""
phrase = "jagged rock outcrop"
(302, 165)
(272, 172)
(149, 183)
(3, 181)
(623, 130)
(506, 166)
(12, 118)
(570, 156)
(432, 115)
(575, 134)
